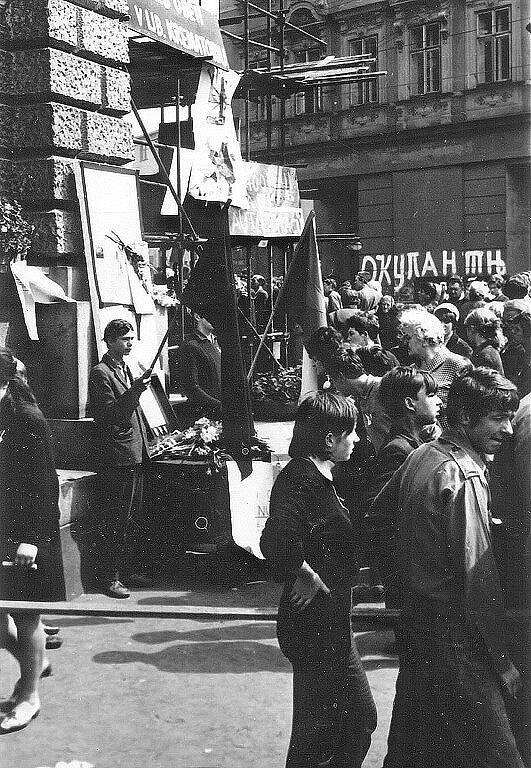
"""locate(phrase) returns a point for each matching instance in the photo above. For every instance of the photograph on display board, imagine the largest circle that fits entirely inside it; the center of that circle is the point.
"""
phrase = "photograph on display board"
(112, 230)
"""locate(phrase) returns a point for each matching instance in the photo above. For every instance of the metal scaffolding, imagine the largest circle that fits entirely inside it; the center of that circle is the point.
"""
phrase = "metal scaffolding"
(284, 79)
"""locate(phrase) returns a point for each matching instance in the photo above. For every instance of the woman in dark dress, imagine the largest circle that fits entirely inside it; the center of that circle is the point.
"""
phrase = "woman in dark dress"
(30, 548)
(309, 544)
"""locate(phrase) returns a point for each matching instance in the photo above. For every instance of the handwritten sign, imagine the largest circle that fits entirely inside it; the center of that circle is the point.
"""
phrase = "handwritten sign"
(401, 267)
(268, 202)
(180, 24)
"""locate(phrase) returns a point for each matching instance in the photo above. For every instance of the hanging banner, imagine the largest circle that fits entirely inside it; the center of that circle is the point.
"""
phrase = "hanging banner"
(180, 24)
(266, 202)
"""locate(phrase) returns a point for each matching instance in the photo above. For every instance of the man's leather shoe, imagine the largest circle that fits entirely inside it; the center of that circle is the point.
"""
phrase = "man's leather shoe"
(115, 589)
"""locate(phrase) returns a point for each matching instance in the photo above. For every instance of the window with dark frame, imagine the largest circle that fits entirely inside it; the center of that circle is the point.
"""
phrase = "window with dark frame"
(425, 58)
(364, 91)
(258, 105)
(307, 102)
(493, 54)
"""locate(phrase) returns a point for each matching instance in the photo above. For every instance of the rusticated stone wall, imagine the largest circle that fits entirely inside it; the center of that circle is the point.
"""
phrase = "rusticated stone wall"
(63, 93)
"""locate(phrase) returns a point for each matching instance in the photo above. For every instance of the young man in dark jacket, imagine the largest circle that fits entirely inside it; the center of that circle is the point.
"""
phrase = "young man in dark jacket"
(122, 441)
(410, 399)
(456, 675)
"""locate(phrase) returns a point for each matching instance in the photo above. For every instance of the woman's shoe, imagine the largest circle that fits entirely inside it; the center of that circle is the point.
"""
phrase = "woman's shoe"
(53, 642)
(19, 717)
(50, 630)
(8, 704)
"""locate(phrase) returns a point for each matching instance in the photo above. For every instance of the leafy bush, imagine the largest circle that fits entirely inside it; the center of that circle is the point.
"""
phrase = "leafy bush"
(282, 386)
(15, 231)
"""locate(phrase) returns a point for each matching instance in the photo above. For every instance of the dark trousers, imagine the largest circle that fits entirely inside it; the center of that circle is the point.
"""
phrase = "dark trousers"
(334, 716)
(120, 522)
(449, 711)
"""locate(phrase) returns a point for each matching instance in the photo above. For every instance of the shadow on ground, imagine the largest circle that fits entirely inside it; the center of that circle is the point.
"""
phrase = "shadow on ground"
(260, 631)
(222, 657)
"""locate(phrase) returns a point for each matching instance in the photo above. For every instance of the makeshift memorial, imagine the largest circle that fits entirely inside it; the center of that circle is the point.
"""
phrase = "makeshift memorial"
(202, 442)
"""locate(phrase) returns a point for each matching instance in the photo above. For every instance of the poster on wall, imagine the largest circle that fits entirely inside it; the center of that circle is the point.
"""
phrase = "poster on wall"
(117, 258)
(217, 155)
(110, 218)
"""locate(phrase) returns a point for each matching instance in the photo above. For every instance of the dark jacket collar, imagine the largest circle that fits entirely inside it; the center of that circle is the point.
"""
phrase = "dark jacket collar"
(119, 371)
(401, 430)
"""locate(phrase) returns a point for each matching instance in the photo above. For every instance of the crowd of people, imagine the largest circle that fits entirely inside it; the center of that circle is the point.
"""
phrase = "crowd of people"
(411, 461)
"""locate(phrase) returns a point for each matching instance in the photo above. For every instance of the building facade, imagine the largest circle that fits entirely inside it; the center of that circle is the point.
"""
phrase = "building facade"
(428, 163)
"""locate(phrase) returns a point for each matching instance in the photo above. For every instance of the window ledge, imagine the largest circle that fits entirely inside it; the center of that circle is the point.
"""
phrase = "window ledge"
(423, 97)
(494, 84)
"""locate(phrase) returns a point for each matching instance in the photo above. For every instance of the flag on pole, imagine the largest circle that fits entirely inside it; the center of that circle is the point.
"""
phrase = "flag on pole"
(210, 293)
(302, 298)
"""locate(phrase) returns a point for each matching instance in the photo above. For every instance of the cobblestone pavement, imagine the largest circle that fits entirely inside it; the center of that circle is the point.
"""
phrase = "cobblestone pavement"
(164, 693)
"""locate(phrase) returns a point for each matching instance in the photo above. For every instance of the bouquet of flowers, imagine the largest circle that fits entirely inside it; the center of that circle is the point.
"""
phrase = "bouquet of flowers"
(282, 386)
(203, 441)
(15, 232)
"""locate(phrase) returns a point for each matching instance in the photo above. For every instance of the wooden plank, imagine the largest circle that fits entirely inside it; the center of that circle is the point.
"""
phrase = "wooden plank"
(363, 611)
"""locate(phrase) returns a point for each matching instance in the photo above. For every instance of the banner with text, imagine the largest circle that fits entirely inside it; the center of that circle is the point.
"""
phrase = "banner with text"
(180, 24)
(269, 202)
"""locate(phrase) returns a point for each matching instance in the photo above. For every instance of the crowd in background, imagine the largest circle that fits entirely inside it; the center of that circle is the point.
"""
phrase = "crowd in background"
(410, 464)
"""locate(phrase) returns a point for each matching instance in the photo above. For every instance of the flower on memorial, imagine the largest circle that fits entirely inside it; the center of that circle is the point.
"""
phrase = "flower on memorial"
(163, 297)
(282, 386)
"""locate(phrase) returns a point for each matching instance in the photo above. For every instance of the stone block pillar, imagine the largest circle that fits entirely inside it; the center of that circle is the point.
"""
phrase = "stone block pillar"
(64, 90)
